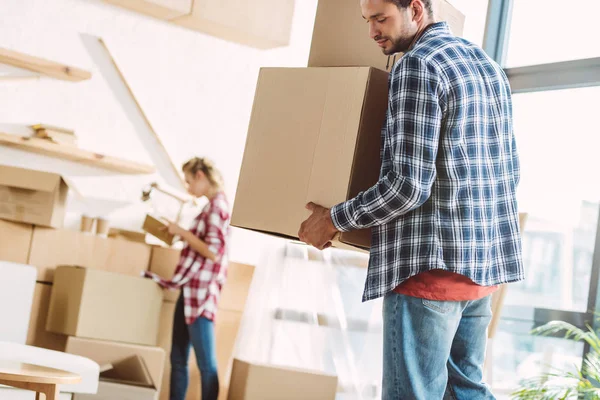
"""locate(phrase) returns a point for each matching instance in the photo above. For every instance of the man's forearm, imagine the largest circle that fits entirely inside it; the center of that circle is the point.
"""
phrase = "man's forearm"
(390, 198)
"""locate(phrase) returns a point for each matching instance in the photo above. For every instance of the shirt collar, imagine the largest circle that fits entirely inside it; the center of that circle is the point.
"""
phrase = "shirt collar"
(432, 30)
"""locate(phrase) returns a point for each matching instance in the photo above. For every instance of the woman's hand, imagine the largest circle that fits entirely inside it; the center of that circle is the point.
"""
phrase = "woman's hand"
(174, 229)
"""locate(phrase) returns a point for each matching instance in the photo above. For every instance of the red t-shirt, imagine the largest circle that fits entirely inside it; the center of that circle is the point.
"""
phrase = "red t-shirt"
(443, 285)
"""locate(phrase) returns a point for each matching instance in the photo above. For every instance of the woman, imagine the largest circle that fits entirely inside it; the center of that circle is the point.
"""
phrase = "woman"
(200, 274)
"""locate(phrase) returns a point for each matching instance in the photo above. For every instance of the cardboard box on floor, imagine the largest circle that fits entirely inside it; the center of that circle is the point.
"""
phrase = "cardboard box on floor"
(226, 330)
(103, 305)
(38, 335)
(103, 352)
(15, 240)
(32, 197)
(314, 135)
(53, 247)
(252, 381)
(127, 379)
(341, 36)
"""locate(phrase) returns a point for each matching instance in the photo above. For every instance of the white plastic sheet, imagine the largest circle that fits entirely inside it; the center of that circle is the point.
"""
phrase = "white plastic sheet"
(305, 311)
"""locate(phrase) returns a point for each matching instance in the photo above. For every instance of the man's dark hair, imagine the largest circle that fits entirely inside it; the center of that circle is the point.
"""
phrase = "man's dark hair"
(406, 3)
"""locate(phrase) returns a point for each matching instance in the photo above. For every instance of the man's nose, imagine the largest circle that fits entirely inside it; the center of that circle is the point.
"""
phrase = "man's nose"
(373, 30)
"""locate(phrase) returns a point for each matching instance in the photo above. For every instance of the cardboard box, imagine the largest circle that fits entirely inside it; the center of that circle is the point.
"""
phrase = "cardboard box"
(163, 262)
(236, 288)
(261, 24)
(125, 234)
(32, 197)
(341, 36)
(51, 248)
(162, 9)
(127, 379)
(103, 353)
(37, 335)
(252, 381)
(157, 228)
(314, 135)
(15, 240)
(102, 305)
(227, 326)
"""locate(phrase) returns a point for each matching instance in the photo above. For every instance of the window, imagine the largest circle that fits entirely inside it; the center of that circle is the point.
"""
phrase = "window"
(557, 139)
(518, 355)
(547, 31)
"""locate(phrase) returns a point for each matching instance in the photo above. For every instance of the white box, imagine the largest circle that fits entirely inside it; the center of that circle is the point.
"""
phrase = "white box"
(17, 283)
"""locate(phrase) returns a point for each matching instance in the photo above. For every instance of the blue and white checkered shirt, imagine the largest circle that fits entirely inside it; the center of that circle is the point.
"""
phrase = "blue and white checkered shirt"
(446, 196)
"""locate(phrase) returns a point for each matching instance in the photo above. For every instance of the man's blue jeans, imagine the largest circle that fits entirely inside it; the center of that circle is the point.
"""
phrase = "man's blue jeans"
(434, 350)
(200, 335)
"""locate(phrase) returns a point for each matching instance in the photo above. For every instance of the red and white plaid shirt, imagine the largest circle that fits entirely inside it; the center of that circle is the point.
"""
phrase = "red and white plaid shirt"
(200, 279)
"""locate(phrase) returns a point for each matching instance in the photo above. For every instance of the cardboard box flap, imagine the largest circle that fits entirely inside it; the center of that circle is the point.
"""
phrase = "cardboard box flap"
(130, 371)
(29, 179)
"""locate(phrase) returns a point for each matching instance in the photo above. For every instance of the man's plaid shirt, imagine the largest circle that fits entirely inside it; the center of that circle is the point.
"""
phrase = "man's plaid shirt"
(446, 197)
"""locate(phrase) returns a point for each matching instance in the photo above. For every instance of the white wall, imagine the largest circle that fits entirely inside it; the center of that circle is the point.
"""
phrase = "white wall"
(196, 90)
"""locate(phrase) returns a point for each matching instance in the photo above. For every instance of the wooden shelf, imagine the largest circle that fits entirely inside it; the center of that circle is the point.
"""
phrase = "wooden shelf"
(19, 65)
(47, 148)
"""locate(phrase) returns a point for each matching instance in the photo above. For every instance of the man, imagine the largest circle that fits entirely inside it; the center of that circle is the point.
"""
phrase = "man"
(443, 213)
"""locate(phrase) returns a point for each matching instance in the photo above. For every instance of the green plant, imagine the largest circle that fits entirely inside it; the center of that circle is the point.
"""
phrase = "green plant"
(583, 384)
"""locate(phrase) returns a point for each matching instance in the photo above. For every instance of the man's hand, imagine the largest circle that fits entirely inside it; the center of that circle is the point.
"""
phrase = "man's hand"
(318, 230)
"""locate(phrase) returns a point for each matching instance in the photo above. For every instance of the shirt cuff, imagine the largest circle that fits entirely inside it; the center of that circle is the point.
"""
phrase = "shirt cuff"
(342, 217)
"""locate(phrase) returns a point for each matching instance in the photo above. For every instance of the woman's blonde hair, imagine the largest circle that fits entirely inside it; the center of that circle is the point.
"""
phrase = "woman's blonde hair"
(207, 167)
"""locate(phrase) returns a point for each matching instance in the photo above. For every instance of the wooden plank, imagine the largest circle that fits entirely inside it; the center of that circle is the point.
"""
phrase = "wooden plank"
(70, 153)
(115, 79)
(42, 66)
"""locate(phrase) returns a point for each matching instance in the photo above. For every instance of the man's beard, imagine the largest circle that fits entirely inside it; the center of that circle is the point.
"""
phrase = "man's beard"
(399, 45)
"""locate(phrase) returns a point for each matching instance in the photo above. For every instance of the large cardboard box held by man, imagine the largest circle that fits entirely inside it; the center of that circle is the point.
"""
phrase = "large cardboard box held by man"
(53, 247)
(32, 197)
(341, 35)
(253, 381)
(102, 305)
(314, 135)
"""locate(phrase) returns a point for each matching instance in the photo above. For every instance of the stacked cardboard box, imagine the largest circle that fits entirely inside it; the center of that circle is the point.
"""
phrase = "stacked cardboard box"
(108, 303)
(227, 324)
(32, 197)
(314, 133)
(112, 319)
(53, 247)
(90, 299)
